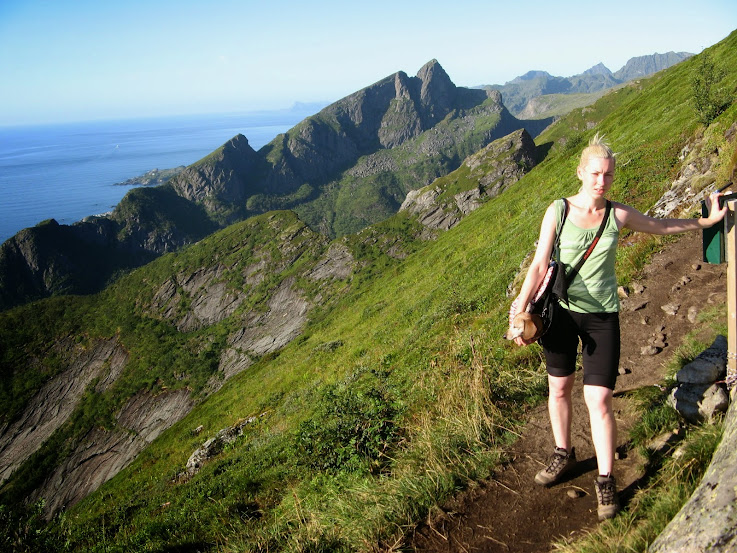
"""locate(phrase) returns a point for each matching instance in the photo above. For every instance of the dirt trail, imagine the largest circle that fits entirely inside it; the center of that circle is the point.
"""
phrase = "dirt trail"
(509, 513)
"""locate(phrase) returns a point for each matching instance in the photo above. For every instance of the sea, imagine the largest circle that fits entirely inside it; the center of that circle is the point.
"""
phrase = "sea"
(70, 171)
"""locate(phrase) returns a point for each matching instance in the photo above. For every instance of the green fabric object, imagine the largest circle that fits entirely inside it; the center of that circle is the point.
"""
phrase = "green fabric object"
(712, 240)
(594, 288)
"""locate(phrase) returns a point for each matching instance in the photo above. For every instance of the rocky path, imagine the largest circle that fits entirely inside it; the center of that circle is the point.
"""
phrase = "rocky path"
(509, 513)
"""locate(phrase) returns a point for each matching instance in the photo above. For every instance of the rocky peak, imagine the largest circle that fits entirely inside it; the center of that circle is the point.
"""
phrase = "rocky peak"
(239, 145)
(642, 66)
(222, 178)
(437, 89)
(402, 85)
(598, 69)
(530, 76)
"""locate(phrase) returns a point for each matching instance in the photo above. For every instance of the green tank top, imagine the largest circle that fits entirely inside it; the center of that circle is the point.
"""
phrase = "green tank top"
(594, 288)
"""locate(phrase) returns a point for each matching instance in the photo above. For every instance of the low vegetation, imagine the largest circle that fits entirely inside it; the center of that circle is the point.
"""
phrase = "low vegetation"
(399, 392)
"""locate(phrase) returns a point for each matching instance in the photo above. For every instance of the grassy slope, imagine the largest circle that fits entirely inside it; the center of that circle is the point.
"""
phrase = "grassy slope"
(557, 105)
(415, 350)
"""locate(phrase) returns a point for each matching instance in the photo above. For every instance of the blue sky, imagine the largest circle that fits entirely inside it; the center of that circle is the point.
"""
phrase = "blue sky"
(74, 60)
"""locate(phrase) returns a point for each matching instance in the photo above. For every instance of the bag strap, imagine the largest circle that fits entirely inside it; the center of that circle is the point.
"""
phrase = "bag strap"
(587, 253)
(559, 229)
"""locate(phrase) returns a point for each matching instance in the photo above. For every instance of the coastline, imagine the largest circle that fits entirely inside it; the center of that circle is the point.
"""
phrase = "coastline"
(154, 177)
(67, 172)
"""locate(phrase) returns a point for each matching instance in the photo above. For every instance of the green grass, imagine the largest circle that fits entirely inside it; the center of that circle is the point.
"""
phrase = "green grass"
(414, 344)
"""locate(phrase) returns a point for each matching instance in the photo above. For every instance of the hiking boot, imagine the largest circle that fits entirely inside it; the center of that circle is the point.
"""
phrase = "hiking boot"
(606, 495)
(561, 462)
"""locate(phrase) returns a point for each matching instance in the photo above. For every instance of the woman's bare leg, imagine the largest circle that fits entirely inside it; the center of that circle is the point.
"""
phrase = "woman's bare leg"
(560, 408)
(603, 426)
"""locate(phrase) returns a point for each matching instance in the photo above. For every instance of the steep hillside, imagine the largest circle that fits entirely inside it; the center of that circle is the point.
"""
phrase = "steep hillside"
(397, 389)
(243, 293)
(216, 308)
(342, 169)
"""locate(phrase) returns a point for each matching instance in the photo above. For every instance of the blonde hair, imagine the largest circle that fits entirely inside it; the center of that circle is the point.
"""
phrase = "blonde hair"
(597, 147)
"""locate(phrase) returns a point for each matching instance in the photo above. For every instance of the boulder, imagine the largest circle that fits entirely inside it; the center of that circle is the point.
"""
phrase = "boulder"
(708, 367)
(699, 402)
(700, 394)
(708, 520)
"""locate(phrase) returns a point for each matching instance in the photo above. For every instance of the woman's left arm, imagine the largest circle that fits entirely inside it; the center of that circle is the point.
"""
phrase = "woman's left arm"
(630, 218)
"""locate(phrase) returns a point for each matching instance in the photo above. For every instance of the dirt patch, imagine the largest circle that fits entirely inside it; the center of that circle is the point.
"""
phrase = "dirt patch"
(509, 513)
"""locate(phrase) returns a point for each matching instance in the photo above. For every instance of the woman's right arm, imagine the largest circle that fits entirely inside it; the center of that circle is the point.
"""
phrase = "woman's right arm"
(540, 262)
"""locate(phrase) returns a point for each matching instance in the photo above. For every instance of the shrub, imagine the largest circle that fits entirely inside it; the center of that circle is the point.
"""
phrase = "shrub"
(22, 529)
(708, 98)
(352, 429)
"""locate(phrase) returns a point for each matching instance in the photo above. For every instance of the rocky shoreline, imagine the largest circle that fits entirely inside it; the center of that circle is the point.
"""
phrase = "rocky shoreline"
(153, 177)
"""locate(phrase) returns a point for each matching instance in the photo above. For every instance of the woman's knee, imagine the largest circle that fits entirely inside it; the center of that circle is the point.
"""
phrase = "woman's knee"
(560, 387)
(598, 399)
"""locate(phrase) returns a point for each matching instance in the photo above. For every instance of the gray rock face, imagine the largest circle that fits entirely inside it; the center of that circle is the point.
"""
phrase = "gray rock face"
(336, 263)
(102, 454)
(282, 322)
(423, 204)
(211, 299)
(227, 179)
(56, 401)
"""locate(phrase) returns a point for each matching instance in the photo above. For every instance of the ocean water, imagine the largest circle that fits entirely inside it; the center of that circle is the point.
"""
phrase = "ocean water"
(70, 171)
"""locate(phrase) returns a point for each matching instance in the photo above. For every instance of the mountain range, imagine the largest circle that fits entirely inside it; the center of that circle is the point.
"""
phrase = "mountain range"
(346, 167)
(518, 92)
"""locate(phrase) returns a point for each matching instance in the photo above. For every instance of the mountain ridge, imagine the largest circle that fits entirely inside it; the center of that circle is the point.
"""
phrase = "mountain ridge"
(518, 92)
(268, 276)
(313, 167)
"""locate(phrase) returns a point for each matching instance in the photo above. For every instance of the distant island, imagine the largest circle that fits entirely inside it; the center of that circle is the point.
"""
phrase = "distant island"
(152, 177)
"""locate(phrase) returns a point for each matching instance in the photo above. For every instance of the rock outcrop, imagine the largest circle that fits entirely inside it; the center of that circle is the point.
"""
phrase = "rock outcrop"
(101, 454)
(213, 446)
(708, 520)
(52, 405)
(224, 181)
(257, 264)
(487, 173)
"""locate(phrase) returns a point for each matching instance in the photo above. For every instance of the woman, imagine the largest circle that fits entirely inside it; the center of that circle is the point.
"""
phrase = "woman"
(591, 313)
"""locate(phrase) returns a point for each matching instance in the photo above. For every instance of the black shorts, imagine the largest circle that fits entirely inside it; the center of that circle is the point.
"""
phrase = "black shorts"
(600, 340)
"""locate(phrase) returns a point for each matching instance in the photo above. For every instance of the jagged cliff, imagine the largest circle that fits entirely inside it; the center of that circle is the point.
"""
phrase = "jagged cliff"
(254, 283)
(482, 176)
(342, 169)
